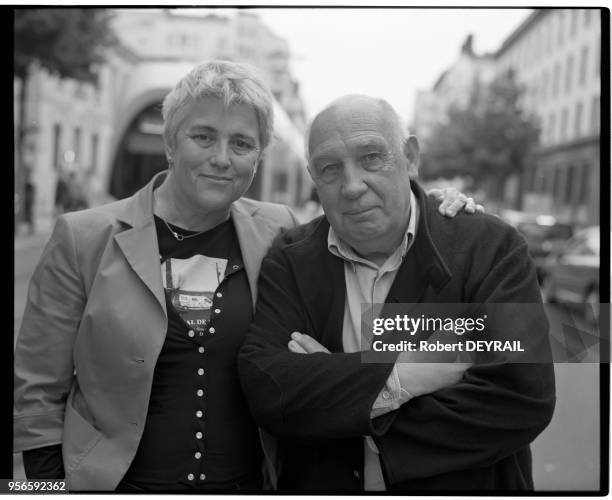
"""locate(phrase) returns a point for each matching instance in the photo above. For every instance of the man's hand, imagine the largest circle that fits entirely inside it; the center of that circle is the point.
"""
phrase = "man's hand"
(305, 344)
(453, 201)
(424, 372)
(424, 378)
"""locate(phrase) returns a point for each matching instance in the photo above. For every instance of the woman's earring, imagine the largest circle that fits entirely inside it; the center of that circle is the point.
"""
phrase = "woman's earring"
(170, 162)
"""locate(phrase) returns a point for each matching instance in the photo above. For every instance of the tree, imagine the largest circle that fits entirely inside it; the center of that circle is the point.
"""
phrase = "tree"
(488, 141)
(69, 43)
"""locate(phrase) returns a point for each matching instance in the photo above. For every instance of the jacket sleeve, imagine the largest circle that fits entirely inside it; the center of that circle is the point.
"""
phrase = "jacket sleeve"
(497, 408)
(301, 396)
(44, 367)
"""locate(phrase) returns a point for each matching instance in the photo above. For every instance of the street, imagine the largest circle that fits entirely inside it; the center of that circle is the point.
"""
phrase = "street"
(565, 455)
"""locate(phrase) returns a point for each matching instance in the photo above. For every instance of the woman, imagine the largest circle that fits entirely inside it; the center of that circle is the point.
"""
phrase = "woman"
(126, 359)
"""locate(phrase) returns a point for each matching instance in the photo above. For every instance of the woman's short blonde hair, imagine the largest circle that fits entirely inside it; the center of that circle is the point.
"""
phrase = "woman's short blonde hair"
(233, 83)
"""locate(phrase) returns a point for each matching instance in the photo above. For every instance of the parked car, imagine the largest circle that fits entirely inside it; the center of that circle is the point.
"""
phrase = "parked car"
(544, 234)
(571, 275)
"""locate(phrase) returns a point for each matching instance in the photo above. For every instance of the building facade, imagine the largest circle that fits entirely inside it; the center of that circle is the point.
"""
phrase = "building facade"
(109, 135)
(556, 55)
(453, 88)
(69, 128)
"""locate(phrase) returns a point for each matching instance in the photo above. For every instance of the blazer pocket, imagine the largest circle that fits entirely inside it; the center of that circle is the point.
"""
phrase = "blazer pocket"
(79, 438)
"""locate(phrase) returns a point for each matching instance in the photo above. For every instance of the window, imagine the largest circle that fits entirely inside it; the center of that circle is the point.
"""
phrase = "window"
(570, 180)
(598, 57)
(595, 115)
(554, 185)
(563, 124)
(584, 58)
(57, 138)
(548, 34)
(569, 73)
(530, 177)
(544, 86)
(561, 184)
(551, 128)
(540, 180)
(556, 77)
(573, 22)
(94, 152)
(561, 27)
(578, 120)
(587, 17)
(77, 144)
(584, 183)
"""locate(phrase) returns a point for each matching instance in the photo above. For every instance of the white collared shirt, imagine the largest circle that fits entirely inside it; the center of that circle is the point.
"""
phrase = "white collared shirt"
(366, 282)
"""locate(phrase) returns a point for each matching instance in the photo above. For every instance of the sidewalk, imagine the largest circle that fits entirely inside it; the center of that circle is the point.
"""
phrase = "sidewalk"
(24, 240)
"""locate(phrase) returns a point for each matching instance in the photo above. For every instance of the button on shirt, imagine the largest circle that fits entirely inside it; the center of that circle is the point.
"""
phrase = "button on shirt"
(367, 282)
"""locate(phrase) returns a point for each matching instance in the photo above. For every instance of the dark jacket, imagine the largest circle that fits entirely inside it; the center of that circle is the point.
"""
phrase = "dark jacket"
(473, 435)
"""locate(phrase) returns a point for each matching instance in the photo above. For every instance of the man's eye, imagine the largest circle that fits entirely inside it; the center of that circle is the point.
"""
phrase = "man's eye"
(329, 172)
(372, 161)
(371, 157)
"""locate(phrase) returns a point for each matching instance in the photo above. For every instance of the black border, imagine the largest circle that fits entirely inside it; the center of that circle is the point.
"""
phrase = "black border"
(6, 420)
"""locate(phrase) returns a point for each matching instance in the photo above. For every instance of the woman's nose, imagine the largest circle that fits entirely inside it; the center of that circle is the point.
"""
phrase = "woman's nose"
(221, 157)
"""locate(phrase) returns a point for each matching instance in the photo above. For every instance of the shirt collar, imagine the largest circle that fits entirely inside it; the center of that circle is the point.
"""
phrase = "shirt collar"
(341, 249)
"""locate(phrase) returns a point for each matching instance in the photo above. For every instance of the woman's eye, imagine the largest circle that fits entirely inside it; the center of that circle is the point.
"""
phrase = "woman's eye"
(203, 139)
(243, 145)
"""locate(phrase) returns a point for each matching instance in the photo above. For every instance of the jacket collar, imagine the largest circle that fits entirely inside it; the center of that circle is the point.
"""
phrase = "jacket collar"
(427, 267)
(254, 239)
(137, 241)
(138, 211)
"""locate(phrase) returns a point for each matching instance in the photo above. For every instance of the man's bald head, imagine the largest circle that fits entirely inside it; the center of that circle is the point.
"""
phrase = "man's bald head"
(355, 108)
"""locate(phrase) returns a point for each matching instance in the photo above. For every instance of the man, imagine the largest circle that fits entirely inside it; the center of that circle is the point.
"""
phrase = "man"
(348, 425)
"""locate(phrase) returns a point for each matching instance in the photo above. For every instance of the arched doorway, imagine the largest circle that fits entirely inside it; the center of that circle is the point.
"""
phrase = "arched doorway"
(140, 154)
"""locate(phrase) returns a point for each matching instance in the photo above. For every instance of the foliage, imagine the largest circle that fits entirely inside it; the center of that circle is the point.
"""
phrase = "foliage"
(488, 140)
(66, 42)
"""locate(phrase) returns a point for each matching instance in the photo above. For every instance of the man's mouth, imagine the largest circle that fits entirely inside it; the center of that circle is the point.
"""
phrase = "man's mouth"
(358, 211)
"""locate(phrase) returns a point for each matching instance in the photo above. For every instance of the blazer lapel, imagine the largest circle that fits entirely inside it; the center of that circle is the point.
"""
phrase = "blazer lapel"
(139, 243)
(140, 248)
(254, 243)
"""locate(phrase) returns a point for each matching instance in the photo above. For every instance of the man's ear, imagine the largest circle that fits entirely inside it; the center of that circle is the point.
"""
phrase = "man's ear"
(411, 150)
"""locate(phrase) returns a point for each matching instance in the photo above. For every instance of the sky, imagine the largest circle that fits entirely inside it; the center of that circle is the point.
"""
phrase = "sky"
(389, 53)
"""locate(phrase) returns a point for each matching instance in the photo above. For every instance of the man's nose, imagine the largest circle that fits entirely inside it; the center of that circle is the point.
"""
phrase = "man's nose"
(353, 185)
(221, 154)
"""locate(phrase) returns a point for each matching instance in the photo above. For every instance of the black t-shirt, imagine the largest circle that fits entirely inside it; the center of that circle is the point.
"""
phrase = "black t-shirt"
(199, 433)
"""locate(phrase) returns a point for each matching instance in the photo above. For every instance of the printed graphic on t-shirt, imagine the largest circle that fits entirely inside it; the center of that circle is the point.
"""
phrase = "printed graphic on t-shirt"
(191, 284)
